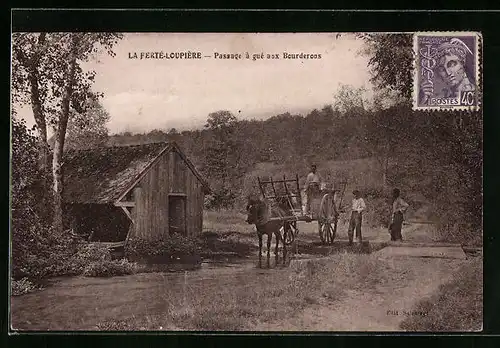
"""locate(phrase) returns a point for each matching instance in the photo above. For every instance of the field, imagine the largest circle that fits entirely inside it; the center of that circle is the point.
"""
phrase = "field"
(345, 291)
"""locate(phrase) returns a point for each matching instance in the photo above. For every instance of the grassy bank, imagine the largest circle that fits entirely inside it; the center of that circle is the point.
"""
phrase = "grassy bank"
(457, 305)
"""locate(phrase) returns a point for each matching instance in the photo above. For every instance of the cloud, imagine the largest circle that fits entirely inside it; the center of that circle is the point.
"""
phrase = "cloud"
(141, 111)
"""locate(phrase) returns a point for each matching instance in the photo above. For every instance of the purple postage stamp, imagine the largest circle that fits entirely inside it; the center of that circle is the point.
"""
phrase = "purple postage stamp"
(446, 71)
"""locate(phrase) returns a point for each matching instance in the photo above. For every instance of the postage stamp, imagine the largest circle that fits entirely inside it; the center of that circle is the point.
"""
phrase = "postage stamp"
(447, 71)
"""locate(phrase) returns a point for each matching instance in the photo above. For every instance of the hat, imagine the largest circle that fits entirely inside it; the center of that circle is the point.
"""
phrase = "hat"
(454, 46)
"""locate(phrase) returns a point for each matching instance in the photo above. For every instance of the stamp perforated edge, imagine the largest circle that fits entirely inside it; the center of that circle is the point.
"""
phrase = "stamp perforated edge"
(478, 61)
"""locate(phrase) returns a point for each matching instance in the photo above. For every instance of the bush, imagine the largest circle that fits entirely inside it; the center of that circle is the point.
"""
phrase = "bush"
(22, 286)
(70, 256)
(165, 249)
(86, 255)
(38, 252)
(109, 268)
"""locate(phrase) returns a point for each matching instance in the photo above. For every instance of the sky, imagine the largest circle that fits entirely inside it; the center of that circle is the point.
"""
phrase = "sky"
(145, 94)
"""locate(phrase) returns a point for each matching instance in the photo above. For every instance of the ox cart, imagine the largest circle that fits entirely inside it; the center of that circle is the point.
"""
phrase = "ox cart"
(324, 203)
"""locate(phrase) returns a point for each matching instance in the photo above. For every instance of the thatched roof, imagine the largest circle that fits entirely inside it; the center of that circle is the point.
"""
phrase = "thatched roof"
(102, 175)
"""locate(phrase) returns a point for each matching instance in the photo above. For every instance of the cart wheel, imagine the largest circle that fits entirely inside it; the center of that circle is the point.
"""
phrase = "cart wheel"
(327, 220)
(291, 232)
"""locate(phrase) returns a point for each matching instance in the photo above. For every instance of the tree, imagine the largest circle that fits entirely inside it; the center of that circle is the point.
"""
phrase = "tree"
(391, 61)
(29, 82)
(384, 134)
(441, 152)
(221, 124)
(349, 100)
(224, 157)
(391, 66)
(88, 130)
(47, 71)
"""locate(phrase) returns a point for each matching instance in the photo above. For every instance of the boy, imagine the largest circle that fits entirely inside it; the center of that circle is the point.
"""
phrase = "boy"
(358, 205)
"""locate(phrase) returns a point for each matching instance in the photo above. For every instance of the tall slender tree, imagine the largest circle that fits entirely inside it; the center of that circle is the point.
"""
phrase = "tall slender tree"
(47, 72)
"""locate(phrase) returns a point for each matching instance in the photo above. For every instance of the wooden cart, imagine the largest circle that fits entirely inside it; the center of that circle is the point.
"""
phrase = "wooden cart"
(324, 205)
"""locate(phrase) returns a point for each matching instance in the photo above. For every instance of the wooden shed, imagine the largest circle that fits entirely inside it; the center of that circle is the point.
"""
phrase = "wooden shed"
(113, 193)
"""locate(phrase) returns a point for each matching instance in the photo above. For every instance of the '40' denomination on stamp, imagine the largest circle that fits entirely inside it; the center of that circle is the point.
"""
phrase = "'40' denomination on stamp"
(446, 74)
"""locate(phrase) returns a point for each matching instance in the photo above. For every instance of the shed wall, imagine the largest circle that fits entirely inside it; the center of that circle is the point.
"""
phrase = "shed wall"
(169, 175)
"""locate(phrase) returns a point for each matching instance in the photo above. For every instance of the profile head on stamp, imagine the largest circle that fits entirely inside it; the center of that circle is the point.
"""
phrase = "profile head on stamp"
(451, 58)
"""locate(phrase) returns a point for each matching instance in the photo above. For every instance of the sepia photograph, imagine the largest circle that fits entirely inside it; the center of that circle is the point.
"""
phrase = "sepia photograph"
(246, 182)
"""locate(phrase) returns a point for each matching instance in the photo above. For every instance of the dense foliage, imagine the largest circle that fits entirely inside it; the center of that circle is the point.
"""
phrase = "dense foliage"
(28, 212)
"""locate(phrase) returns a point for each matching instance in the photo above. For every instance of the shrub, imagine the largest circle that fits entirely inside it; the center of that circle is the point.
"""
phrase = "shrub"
(109, 268)
(43, 253)
(86, 254)
(22, 286)
(69, 256)
(166, 248)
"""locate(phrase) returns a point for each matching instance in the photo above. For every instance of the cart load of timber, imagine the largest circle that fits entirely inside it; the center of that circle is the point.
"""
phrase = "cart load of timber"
(323, 205)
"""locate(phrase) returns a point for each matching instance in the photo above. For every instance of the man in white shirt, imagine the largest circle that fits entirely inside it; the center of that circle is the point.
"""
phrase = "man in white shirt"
(358, 206)
(313, 182)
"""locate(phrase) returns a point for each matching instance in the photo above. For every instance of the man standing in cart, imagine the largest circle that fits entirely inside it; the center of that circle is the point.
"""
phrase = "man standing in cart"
(313, 182)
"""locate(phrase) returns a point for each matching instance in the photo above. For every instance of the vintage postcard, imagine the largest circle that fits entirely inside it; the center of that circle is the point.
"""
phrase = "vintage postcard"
(446, 71)
(246, 182)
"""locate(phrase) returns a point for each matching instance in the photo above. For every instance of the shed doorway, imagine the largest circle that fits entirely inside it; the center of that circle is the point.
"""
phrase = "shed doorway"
(177, 214)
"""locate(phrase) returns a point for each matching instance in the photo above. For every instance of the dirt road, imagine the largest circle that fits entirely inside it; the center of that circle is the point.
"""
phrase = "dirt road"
(382, 310)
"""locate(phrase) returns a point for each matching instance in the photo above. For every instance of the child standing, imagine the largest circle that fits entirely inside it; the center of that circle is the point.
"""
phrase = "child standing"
(358, 205)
